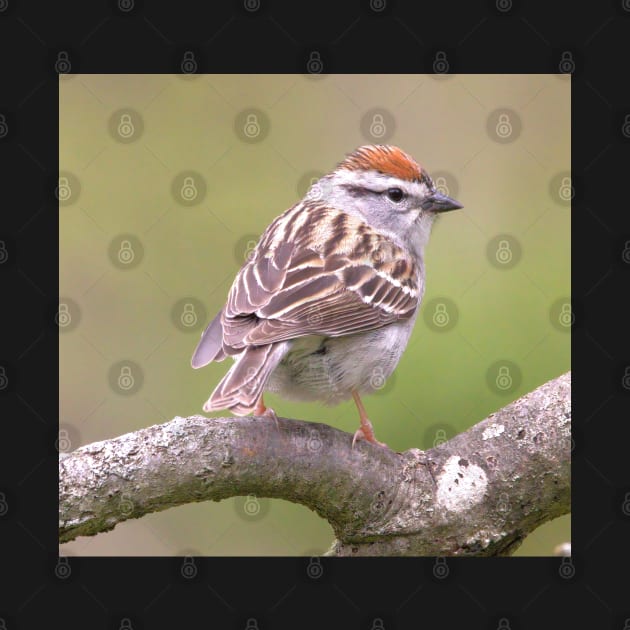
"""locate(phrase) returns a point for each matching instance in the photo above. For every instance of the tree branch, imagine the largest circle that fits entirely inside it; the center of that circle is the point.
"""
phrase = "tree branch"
(480, 493)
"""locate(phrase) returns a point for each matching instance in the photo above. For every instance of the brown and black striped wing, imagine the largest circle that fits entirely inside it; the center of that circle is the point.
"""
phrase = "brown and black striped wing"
(297, 291)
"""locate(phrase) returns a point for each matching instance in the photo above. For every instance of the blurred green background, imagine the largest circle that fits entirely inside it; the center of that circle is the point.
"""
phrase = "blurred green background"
(165, 183)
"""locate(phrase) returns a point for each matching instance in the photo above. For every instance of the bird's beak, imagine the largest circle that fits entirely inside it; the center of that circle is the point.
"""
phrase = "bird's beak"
(437, 202)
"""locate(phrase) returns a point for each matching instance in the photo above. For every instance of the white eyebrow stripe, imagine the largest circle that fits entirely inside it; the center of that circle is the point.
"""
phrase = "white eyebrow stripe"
(368, 179)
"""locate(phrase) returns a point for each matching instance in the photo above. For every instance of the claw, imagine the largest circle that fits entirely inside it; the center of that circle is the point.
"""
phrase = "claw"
(360, 434)
(266, 412)
(365, 431)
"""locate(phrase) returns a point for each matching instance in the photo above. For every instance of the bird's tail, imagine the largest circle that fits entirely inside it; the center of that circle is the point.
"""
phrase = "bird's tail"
(240, 389)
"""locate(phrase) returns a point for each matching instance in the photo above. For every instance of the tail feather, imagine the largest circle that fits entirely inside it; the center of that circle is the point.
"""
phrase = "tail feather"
(240, 389)
(210, 346)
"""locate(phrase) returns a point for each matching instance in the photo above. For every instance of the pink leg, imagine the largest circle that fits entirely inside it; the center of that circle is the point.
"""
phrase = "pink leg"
(365, 431)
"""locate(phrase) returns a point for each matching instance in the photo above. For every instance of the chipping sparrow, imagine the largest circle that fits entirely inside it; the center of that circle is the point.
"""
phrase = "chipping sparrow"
(331, 293)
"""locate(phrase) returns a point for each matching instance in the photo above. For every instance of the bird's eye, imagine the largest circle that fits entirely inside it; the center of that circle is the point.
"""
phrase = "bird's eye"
(395, 194)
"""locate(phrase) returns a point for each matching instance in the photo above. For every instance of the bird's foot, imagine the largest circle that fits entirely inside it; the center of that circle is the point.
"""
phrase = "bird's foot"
(366, 432)
(266, 412)
(270, 413)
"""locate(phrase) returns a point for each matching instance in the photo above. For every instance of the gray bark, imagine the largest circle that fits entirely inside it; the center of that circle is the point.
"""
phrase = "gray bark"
(479, 494)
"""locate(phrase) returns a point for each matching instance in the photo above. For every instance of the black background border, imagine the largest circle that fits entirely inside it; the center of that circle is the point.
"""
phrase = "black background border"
(492, 37)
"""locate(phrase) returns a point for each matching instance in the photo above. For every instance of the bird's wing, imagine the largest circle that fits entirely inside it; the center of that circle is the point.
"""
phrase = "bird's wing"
(319, 272)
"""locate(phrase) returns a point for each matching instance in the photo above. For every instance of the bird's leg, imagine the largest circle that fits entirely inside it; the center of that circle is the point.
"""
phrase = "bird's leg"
(267, 412)
(365, 431)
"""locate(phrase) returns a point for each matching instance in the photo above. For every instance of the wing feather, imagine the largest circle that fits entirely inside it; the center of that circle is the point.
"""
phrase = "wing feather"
(295, 286)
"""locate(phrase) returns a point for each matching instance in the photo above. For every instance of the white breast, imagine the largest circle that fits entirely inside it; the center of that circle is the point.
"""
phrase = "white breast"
(329, 369)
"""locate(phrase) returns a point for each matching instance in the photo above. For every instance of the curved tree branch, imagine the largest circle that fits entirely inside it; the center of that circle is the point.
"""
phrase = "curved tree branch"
(480, 493)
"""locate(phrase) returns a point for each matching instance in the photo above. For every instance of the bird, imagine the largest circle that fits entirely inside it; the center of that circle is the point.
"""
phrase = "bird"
(324, 305)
